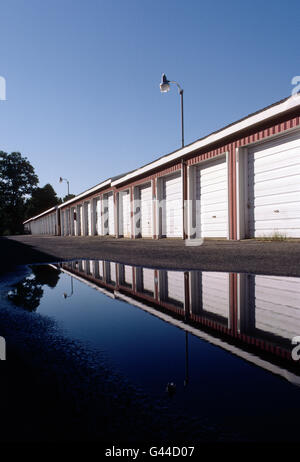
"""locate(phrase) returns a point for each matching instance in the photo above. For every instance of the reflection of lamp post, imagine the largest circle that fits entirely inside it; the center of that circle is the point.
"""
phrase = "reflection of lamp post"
(65, 295)
(64, 179)
(164, 88)
(186, 381)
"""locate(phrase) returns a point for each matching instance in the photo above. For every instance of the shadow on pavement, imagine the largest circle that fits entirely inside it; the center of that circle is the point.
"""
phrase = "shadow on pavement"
(16, 253)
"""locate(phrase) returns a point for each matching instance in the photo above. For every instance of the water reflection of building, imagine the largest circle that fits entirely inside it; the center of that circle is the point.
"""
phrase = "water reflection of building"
(253, 316)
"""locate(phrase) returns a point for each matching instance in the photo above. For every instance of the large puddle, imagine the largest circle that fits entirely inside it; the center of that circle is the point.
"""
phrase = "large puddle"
(212, 344)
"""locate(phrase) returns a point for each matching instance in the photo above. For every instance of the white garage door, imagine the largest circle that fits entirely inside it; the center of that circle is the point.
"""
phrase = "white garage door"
(111, 218)
(274, 188)
(277, 308)
(172, 207)
(124, 213)
(146, 210)
(211, 184)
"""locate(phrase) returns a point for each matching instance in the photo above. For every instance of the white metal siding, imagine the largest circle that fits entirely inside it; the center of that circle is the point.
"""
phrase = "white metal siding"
(277, 305)
(211, 185)
(172, 207)
(146, 210)
(124, 213)
(274, 188)
(215, 293)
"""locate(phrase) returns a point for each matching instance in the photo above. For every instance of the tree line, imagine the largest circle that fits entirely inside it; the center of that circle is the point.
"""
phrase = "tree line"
(20, 196)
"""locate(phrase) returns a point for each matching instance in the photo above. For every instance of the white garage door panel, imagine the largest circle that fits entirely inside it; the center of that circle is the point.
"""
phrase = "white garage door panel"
(282, 157)
(282, 198)
(282, 226)
(215, 293)
(211, 199)
(221, 214)
(213, 190)
(288, 212)
(148, 279)
(277, 173)
(274, 188)
(176, 285)
(146, 210)
(277, 306)
(278, 186)
(281, 144)
(172, 216)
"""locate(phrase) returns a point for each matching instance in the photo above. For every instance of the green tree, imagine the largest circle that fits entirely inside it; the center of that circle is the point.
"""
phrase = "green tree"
(41, 199)
(68, 197)
(17, 180)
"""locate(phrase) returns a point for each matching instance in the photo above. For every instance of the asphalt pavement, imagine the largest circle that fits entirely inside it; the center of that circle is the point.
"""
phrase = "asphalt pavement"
(253, 256)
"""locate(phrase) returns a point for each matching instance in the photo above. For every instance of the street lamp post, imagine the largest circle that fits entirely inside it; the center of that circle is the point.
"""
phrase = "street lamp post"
(69, 220)
(64, 179)
(164, 88)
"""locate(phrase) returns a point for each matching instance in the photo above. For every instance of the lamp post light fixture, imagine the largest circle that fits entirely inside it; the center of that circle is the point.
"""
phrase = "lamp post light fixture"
(64, 179)
(164, 88)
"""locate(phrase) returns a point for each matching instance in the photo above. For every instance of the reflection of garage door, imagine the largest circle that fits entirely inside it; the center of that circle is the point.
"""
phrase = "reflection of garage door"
(175, 284)
(148, 280)
(128, 274)
(277, 308)
(172, 208)
(81, 220)
(124, 213)
(274, 188)
(215, 293)
(146, 210)
(211, 185)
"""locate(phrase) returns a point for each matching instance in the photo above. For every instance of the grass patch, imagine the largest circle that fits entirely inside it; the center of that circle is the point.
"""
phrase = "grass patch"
(276, 236)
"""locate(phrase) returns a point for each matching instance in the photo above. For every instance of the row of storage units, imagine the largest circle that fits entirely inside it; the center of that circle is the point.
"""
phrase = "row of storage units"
(247, 187)
(45, 223)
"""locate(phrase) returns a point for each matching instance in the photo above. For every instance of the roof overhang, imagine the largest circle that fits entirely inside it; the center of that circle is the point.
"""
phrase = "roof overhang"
(86, 193)
(40, 215)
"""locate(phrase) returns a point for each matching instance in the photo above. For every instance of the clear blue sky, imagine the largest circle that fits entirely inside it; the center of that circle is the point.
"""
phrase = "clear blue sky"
(83, 99)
